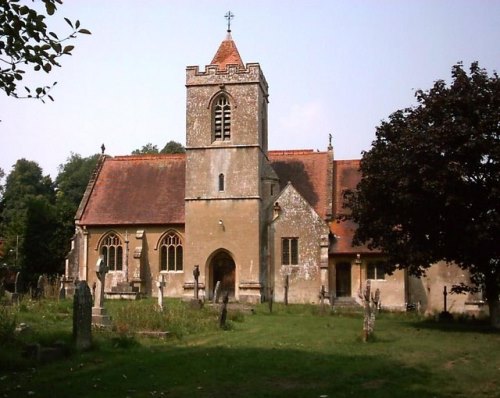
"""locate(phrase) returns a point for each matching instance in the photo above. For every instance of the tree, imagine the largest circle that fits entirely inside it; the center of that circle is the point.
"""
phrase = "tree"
(147, 149)
(25, 41)
(170, 147)
(27, 216)
(173, 147)
(71, 182)
(430, 186)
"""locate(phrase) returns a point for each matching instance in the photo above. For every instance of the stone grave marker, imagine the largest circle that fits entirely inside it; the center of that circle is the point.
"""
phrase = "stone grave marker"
(196, 303)
(223, 311)
(16, 283)
(82, 316)
(99, 314)
(160, 285)
(287, 286)
(62, 289)
(216, 293)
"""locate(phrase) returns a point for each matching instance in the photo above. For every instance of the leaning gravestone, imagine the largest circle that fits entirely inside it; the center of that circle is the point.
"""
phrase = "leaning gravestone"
(216, 293)
(82, 316)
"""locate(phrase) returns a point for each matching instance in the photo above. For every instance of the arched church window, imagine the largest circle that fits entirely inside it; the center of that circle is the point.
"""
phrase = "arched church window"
(112, 251)
(171, 253)
(222, 119)
(221, 182)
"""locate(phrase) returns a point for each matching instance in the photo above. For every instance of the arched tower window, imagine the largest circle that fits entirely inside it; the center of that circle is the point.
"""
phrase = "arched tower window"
(112, 250)
(222, 119)
(221, 182)
(171, 254)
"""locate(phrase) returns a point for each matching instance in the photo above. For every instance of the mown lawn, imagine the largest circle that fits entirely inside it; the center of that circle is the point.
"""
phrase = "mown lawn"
(293, 352)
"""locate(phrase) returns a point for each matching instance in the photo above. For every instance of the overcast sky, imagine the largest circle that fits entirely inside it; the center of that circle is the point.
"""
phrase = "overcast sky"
(336, 67)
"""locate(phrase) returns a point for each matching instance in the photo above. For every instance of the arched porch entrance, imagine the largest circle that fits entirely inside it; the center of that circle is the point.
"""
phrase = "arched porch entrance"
(223, 269)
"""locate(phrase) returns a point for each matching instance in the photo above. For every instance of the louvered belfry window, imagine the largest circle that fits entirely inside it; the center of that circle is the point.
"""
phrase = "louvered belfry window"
(222, 119)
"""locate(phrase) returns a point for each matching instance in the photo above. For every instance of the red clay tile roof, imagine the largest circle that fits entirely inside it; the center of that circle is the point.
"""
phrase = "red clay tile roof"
(227, 54)
(346, 176)
(145, 189)
(308, 172)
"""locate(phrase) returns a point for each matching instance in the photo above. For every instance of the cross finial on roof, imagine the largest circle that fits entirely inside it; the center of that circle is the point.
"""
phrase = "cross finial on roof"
(229, 15)
(103, 148)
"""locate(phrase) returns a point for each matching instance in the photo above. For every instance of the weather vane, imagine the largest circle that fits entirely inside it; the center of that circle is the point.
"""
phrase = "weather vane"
(229, 15)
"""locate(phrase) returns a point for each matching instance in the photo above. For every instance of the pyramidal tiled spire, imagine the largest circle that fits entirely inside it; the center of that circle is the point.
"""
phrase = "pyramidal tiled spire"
(227, 54)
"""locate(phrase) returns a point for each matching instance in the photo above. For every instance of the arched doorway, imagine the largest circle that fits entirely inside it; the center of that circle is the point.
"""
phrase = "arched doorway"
(223, 269)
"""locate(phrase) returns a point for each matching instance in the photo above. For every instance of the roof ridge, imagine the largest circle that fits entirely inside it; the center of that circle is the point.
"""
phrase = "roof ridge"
(149, 156)
(295, 152)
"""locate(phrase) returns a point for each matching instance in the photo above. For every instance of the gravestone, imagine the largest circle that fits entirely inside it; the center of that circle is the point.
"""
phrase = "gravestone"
(40, 287)
(99, 314)
(62, 290)
(16, 283)
(82, 316)
(322, 295)
(161, 285)
(196, 274)
(196, 303)
(287, 286)
(223, 311)
(216, 293)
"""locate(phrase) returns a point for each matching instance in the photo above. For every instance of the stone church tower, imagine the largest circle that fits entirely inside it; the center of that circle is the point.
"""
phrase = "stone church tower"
(229, 182)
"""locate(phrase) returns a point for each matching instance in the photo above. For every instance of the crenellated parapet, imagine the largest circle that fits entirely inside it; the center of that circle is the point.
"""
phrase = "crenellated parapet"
(232, 74)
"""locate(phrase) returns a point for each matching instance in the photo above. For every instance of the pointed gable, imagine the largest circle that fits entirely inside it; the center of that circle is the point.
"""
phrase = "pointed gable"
(146, 189)
(308, 172)
(227, 54)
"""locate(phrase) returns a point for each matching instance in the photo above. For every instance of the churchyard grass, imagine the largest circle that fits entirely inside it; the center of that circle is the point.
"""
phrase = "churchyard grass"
(296, 351)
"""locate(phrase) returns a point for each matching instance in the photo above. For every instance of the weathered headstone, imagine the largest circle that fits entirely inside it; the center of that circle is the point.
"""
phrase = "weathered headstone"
(82, 316)
(160, 284)
(322, 295)
(99, 314)
(16, 283)
(196, 274)
(196, 303)
(371, 303)
(40, 287)
(287, 286)
(445, 315)
(216, 293)
(62, 290)
(223, 311)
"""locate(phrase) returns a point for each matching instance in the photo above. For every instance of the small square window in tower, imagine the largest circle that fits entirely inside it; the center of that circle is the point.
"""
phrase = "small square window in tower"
(222, 119)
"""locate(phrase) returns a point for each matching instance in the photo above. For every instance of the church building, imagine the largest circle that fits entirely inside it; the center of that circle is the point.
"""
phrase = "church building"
(258, 221)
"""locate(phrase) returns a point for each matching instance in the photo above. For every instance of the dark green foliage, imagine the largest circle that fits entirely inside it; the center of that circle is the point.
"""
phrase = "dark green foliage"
(430, 187)
(27, 214)
(173, 147)
(26, 41)
(150, 149)
(37, 216)
(71, 182)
